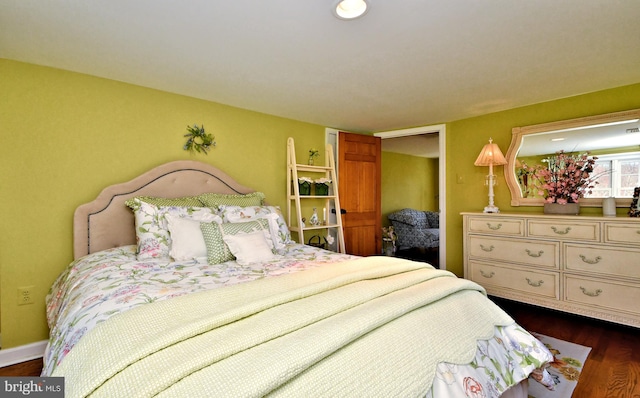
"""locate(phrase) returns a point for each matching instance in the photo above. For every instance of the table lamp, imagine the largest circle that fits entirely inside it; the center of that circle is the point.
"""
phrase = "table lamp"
(489, 156)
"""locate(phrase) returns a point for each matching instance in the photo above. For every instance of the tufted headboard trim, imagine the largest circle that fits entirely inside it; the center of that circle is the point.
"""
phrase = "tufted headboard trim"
(107, 222)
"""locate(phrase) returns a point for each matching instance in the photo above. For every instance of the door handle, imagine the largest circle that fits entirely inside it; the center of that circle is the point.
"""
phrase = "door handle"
(342, 211)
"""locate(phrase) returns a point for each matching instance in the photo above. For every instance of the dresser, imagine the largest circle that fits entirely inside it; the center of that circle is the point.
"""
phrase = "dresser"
(578, 264)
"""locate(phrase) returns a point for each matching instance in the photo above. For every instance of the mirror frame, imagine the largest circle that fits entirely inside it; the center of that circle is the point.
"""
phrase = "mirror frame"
(518, 133)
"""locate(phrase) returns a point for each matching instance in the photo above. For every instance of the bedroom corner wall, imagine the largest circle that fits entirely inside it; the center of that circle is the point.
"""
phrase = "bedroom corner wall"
(465, 139)
(66, 136)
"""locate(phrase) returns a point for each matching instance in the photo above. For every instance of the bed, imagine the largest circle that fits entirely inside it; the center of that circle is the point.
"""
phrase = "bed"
(187, 283)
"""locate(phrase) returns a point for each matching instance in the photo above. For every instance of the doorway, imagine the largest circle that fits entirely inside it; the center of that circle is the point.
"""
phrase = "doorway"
(440, 130)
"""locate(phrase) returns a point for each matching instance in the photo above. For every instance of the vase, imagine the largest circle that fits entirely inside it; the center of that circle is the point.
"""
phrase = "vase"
(388, 247)
(311, 162)
(566, 209)
(322, 189)
(305, 188)
(609, 207)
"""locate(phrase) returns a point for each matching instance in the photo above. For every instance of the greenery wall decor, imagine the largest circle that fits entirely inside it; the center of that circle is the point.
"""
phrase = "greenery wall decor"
(198, 140)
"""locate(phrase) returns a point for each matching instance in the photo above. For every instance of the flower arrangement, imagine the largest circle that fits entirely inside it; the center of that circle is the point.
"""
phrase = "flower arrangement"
(330, 239)
(313, 154)
(565, 179)
(389, 239)
(525, 175)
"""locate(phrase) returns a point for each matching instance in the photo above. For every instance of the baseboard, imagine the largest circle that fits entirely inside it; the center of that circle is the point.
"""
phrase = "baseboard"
(27, 352)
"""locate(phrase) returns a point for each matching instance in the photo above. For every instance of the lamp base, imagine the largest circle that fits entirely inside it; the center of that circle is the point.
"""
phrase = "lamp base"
(491, 209)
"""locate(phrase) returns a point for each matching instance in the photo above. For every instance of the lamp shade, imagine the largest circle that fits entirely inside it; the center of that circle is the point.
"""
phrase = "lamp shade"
(490, 155)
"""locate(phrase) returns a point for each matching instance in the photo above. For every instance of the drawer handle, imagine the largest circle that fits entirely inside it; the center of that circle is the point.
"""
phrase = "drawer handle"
(496, 227)
(533, 283)
(588, 261)
(591, 293)
(561, 232)
(487, 249)
(487, 275)
(531, 254)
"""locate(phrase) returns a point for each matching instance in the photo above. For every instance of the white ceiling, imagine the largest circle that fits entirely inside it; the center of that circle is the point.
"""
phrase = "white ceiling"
(404, 64)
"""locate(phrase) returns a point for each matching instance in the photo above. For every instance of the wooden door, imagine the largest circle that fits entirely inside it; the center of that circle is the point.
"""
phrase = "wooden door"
(359, 166)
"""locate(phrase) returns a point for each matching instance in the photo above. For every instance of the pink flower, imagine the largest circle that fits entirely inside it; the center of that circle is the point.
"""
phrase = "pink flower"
(565, 179)
(472, 388)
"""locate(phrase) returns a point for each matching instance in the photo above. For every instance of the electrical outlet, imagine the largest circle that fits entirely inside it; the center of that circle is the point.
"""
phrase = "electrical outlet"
(25, 295)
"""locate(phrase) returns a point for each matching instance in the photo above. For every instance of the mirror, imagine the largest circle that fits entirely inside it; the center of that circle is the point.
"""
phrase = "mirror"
(612, 135)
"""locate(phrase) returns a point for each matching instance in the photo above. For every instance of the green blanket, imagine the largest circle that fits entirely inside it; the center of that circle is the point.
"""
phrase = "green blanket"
(374, 326)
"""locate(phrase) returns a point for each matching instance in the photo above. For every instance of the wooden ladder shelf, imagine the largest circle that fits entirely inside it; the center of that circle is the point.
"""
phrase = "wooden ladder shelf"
(331, 201)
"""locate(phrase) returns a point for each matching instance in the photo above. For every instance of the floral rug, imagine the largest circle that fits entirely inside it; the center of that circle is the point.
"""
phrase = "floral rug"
(565, 369)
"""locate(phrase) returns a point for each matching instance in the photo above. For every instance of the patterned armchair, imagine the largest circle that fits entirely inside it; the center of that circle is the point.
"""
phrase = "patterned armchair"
(416, 228)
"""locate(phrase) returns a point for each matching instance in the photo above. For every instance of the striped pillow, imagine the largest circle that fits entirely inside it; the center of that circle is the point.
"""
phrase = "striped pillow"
(218, 199)
(217, 250)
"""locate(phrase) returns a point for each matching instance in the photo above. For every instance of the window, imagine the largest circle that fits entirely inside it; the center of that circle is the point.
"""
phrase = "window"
(617, 175)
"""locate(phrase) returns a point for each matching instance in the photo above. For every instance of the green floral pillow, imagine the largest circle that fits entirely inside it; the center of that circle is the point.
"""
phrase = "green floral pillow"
(217, 250)
(218, 199)
(152, 232)
(278, 227)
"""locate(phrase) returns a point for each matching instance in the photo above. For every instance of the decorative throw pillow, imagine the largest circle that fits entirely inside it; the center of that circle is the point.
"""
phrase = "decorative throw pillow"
(217, 250)
(218, 199)
(166, 202)
(249, 248)
(433, 219)
(278, 227)
(187, 242)
(152, 234)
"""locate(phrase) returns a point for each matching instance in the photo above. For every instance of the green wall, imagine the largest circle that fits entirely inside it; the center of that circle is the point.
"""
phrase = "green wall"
(408, 181)
(465, 139)
(65, 136)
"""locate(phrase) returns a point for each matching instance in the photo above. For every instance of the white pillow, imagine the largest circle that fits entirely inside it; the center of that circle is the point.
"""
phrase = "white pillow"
(249, 247)
(187, 242)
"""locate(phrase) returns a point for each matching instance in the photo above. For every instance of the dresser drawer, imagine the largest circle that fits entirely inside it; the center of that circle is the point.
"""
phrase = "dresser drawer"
(595, 292)
(628, 234)
(508, 227)
(515, 251)
(565, 229)
(528, 281)
(602, 260)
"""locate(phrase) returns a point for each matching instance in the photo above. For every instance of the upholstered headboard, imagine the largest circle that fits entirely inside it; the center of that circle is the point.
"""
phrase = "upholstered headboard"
(107, 222)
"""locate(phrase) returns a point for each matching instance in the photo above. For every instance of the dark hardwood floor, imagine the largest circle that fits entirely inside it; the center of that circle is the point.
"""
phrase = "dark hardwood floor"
(612, 369)
(29, 368)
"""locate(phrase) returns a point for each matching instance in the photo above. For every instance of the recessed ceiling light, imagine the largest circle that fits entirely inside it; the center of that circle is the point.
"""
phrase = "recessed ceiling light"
(350, 9)
(558, 139)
